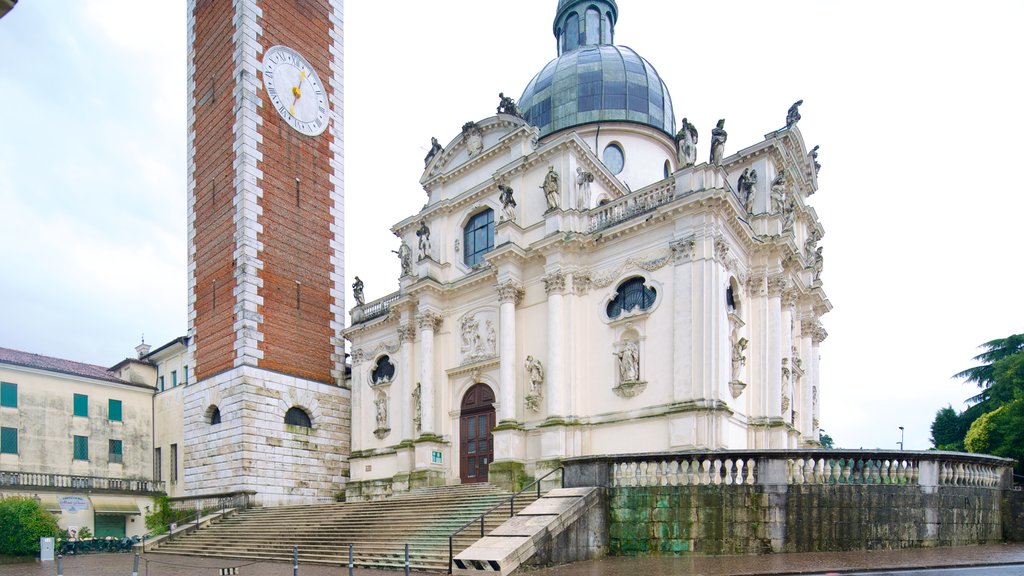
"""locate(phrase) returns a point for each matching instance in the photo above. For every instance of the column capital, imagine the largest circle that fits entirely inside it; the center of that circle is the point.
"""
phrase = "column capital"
(777, 284)
(510, 291)
(819, 334)
(429, 320)
(554, 283)
(755, 286)
(681, 250)
(789, 297)
(407, 333)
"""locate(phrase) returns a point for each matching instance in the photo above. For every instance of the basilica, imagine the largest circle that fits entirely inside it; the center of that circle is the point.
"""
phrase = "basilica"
(584, 280)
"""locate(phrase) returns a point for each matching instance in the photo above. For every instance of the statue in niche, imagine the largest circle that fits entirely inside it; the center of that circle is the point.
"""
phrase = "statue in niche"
(405, 257)
(535, 376)
(718, 138)
(435, 147)
(810, 245)
(423, 233)
(506, 105)
(814, 158)
(738, 358)
(818, 264)
(686, 144)
(778, 193)
(746, 184)
(583, 180)
(417, 417)
(492, 338)
(381, 404)
(357, 291)
(793, 115)
(629, 362)
(788, 212)
(508, 203)
(552, 183)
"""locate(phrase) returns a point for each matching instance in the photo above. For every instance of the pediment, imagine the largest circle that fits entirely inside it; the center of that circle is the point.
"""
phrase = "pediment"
(475, 142)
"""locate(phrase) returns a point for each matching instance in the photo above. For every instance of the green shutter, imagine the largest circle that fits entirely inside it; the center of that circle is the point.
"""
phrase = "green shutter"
(8, 440)
(81, 448)
(115, 455)
(81, 405)
(8, 395)
(115, 410)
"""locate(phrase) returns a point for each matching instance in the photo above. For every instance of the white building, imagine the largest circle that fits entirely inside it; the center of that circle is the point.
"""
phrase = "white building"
(627, 299)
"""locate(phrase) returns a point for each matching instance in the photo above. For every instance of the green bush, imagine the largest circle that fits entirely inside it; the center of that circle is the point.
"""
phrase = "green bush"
(24, 522)
(162, 516)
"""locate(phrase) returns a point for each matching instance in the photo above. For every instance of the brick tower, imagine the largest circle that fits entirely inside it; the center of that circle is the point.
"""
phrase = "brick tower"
(265, 242)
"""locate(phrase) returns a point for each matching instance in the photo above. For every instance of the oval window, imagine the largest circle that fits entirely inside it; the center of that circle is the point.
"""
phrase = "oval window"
(613, 158)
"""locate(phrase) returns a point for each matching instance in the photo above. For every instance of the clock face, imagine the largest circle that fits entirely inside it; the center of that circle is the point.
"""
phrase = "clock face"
(295, 90)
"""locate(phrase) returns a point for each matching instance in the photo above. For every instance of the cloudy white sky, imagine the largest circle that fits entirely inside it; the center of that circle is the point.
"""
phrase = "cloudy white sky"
(915, 105)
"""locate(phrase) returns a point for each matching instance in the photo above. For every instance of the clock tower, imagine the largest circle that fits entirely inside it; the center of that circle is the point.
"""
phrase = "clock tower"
(265, 246)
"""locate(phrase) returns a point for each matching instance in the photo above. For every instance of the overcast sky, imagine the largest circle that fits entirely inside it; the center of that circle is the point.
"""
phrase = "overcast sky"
(916, 106)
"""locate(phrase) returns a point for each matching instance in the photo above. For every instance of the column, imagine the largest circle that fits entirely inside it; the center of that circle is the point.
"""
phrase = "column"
(807, 353)
(406, 336)
(819, 336)
(787, 301)
(428, 322)
(682, 359)
(509, 295)
(773, 376)
(554, 285)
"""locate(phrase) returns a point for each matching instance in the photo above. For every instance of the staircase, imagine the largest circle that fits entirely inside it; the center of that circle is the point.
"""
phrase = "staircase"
(378, 530)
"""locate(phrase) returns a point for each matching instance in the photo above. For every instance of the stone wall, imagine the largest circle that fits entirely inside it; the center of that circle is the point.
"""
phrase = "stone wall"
(777, 502)
(1013, 517)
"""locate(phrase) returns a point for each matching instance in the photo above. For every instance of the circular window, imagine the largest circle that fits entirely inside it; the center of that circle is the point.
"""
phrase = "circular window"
(613, 158)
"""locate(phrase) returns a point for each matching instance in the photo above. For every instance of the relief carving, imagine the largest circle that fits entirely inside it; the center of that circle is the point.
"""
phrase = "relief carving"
(535, 376)
(478, 342)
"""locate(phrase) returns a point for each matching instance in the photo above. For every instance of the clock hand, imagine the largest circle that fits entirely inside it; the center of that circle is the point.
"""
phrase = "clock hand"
(296, 90)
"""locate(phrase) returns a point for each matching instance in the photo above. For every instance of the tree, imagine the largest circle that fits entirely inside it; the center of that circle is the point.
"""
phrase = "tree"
(948, 430)
(984, 375)
(826, 441)
(24, 522)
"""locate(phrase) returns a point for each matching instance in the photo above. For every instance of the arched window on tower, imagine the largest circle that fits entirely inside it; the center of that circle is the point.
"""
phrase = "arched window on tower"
(606, 28)
(478, 237)
(593, 31)
(572, 32)
(631, 295)
(296, 416)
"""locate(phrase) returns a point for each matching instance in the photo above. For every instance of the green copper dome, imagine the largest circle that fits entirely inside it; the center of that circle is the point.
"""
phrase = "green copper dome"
(594, 80)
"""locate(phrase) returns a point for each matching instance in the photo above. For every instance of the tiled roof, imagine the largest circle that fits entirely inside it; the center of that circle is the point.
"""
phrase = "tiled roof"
(40, 362)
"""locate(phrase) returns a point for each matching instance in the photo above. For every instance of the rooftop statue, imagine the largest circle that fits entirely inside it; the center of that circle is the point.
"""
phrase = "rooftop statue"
(357, 291)
(746, 184)
(552, 183)
(814, 158)
(718, 138)
(686, 144)
(584, 178)
(435, 147)
(405, 257)
(793, 116)
(508, 203)
(423, 233)
(507, 105)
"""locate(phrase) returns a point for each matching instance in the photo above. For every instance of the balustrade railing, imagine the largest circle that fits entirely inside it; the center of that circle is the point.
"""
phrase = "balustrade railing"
(794, 467)
(631, 205)
(83, 483)
(375, 309)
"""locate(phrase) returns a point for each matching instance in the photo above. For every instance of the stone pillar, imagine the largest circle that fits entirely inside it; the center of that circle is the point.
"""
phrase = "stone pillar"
(554, 285)
(406, 382)
(509, 295)
(428, 322)
(806, 402)
(773, 376)
(682, 336)
(816, 339)
(786, 344)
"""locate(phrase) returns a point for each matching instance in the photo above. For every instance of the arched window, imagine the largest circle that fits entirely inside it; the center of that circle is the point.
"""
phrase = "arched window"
(613, 158)
(478, 237)
(383, 371)
(572, 32)
(631, 294)
(593, 32)
(606, 28)
(668, 169)
(297, 417)
(214, 416)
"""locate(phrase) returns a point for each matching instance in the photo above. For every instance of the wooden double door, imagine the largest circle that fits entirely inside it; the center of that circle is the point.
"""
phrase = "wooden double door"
(476, 420)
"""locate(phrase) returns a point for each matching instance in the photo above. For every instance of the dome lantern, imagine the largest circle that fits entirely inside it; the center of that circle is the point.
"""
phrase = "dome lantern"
(584, 23)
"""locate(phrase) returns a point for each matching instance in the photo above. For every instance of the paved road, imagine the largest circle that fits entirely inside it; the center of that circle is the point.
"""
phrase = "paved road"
(1003, 570)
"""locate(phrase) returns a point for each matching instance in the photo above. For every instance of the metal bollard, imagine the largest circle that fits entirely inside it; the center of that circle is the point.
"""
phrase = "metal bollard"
(135, 565)
(60, 565)
(295, 560)
(351, 563)
(406, 560)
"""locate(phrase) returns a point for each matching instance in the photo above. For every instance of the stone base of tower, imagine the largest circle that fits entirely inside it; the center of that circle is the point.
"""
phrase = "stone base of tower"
(253, 448)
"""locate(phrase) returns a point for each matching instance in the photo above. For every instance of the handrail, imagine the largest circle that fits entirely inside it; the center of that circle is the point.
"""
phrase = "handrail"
(511, 500)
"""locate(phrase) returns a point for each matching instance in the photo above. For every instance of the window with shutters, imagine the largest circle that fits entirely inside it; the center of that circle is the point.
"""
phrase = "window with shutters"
(115, 453)
(114, 411)
(8, 395)
(81, 448)
(8, 440)
(81, 405)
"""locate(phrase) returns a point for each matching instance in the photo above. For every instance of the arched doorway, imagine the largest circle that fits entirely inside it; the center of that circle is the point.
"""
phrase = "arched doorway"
(476, 420)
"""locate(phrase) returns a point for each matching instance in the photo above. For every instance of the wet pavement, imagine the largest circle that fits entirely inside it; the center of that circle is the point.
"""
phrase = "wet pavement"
(802, 563)
(773, 564)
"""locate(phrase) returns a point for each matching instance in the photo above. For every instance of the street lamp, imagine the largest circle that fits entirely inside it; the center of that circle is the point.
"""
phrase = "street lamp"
(901, 437)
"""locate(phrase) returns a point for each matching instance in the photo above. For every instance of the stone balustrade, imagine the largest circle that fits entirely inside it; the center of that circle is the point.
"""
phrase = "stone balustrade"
(375, 309)
(797, 467)
(36, 480)
(631, 205)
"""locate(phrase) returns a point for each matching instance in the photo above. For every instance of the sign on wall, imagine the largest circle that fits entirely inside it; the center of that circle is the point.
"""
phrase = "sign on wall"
(72, 504)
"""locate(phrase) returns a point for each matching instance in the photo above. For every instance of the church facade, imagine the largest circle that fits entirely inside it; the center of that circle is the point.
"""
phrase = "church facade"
(578, 283)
